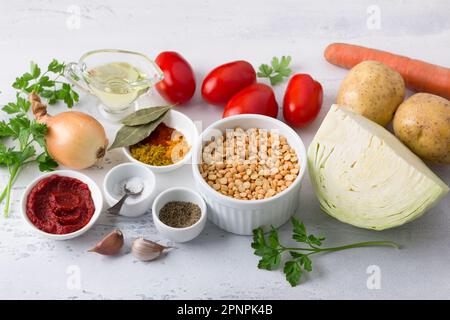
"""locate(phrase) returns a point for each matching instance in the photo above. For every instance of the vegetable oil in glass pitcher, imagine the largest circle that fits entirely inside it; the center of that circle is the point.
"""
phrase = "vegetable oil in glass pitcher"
(117, 78)
(117, 84)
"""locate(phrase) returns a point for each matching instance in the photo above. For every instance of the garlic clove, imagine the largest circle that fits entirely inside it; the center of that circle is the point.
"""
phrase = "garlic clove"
(110, 244)
(146, 250)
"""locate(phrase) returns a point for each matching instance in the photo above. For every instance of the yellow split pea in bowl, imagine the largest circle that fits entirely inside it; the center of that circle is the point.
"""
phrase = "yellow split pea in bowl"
(242, 216)
(251, 164)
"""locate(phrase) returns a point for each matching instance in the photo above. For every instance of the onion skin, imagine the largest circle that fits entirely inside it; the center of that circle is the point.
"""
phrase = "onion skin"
(74, 139)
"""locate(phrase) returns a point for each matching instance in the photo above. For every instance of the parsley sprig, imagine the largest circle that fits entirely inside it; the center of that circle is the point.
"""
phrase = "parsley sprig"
(277, 71)
(271, 250)
(22, 137)
(46, 85)
(28, 133)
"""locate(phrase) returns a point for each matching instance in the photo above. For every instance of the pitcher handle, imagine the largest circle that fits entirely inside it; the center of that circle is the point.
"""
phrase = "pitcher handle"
(73, 74)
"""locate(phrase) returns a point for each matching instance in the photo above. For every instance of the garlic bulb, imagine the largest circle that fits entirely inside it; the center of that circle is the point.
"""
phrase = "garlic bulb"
(146, 250)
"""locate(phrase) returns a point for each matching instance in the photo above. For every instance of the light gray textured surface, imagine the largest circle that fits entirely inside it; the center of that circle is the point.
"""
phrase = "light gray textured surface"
(209, 33)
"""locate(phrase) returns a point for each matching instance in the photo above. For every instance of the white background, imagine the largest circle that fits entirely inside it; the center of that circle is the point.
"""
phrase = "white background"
(209, 33)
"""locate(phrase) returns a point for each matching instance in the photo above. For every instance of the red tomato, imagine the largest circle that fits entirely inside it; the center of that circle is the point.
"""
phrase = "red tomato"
(226, 80)
(302, 100)
(178, 85)
(256, 98)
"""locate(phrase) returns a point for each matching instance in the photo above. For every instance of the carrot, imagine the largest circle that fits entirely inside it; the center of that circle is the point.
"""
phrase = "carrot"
(418, 75)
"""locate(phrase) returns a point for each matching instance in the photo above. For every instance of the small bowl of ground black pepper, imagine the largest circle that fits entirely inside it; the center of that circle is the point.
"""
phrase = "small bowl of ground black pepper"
(179, 214)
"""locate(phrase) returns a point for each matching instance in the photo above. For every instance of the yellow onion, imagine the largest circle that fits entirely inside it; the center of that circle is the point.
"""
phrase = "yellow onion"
(74, 139)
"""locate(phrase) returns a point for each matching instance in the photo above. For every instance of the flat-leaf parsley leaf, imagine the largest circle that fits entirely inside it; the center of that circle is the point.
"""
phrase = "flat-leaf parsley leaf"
(271, 250)
(29, 134)
(277, 71)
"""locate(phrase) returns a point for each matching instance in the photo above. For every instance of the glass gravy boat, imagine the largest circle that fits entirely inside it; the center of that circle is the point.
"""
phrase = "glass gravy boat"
(116, 77)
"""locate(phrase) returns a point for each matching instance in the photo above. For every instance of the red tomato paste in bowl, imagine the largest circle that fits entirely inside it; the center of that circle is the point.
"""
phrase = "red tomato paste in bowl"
(60, 205)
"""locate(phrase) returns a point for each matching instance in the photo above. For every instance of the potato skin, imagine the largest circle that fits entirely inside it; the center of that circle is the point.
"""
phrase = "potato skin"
(372, 90)
(422, 122)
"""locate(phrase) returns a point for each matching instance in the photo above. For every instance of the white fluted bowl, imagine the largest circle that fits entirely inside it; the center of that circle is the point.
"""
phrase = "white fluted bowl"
(242, 216)
(186, 126)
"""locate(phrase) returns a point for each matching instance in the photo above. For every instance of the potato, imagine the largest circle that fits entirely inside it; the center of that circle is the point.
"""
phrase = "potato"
(373, 90)
(422, 122)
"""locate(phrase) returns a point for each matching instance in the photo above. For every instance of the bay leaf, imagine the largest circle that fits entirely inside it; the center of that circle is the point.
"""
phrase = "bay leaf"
(129, 135)
(145, 116)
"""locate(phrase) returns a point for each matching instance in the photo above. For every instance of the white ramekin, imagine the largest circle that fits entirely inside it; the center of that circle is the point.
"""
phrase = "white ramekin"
(179, 194)
(96, 195)
(186, 126)
(242, 216)
(133, 207)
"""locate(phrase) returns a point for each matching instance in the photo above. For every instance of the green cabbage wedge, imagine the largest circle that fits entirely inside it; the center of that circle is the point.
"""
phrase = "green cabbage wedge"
(363, 175)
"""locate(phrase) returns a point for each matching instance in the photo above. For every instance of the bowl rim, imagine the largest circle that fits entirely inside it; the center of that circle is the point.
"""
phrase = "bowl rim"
(127, 164)
(214, 125)
(95, 193)
(175, 165)
(203, 208)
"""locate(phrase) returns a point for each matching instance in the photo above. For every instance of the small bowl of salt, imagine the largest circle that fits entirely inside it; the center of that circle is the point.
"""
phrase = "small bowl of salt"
(138, 181)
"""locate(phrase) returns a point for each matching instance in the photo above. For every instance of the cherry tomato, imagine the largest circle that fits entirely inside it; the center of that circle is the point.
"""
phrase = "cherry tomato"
(226, 80)
(178, 85)
(257, 98)
(302, 100)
